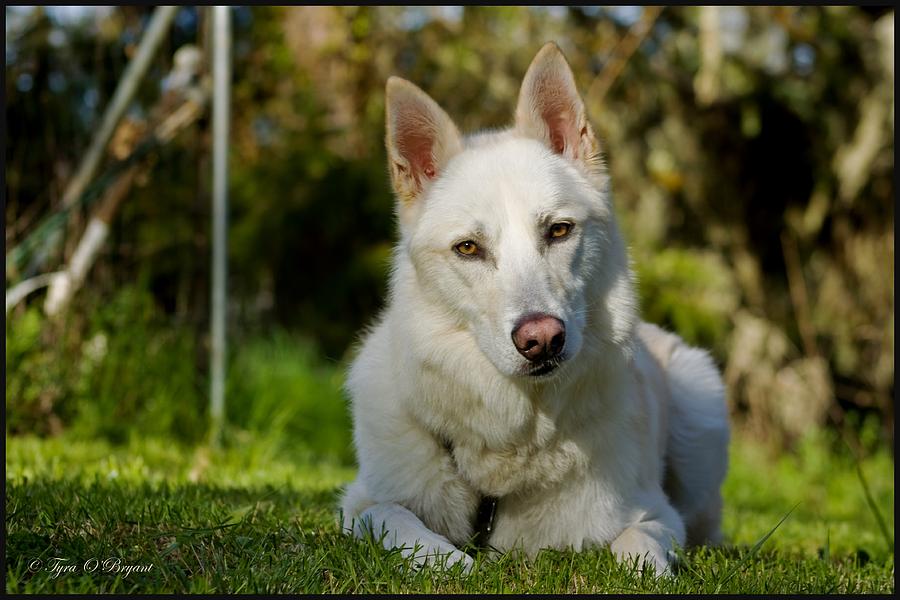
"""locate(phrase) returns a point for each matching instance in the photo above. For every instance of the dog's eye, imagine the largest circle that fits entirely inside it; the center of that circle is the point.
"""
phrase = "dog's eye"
(467, 248)
(559, 230)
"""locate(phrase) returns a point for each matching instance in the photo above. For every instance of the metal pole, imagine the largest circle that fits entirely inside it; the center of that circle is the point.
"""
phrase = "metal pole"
(221, 109)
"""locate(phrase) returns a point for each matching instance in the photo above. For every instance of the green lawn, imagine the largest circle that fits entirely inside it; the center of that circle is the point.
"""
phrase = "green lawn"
(251, 520)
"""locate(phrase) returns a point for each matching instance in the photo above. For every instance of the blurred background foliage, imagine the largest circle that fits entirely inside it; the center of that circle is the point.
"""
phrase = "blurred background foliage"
(751, 153)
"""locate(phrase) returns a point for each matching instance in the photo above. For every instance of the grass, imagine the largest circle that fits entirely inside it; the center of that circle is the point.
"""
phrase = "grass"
(251, 519)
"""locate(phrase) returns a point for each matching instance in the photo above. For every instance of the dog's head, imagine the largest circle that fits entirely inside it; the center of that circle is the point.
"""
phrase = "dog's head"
(512, 233)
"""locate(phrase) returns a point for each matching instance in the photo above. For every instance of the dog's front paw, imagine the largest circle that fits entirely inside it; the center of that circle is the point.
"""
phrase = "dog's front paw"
(633, 545)
(396, 527)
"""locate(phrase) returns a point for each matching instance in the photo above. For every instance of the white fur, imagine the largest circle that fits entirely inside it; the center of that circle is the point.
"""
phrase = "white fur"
(578, 458)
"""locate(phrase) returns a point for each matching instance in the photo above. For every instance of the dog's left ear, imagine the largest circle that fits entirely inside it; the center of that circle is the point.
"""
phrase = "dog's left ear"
(551, 110)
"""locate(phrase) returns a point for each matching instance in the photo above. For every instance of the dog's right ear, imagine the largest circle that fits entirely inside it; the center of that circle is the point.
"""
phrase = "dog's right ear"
(420, 139)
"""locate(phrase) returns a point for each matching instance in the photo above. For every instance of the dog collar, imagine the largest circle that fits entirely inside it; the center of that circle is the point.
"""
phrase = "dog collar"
(483, 524)
(484, 521)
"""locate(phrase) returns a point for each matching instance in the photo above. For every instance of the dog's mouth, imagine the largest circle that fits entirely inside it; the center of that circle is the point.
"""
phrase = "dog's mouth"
(545, 368)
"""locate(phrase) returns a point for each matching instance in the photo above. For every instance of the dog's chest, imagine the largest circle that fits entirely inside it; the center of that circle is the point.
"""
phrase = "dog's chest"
(502, 442)
(539, 457)
(498, 480)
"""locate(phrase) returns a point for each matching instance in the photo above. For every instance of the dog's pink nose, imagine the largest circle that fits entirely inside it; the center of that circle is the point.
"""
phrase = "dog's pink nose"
(539, 337)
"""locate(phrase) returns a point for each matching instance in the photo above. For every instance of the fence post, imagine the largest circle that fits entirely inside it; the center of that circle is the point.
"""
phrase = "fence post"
(221, 110)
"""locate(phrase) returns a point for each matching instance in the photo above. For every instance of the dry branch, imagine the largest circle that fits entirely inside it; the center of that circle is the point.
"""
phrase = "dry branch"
(623, 51)
(69, 280)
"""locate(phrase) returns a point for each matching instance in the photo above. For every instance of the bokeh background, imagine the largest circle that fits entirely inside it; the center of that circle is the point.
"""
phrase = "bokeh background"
(751, 154)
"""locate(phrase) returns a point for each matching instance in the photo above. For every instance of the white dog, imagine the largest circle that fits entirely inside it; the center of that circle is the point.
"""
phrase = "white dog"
(509, 394)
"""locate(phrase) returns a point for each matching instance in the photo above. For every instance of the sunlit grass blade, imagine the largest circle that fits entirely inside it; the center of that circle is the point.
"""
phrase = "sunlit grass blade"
(882, 526)
(752, 552)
